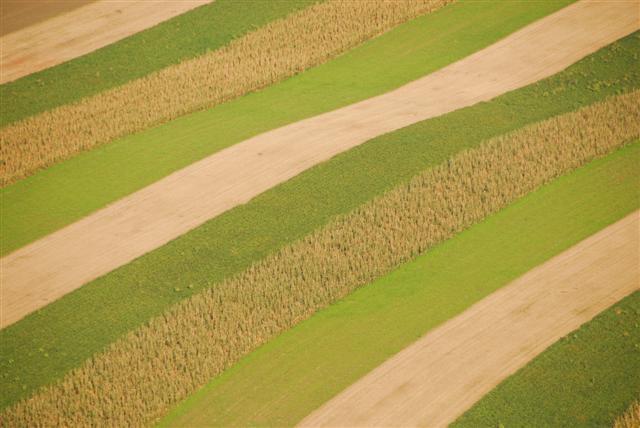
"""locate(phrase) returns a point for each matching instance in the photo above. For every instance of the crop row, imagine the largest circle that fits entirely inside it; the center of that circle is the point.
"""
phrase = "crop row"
(183, 37)
(278, 50)
(630, 418)
(138, 378)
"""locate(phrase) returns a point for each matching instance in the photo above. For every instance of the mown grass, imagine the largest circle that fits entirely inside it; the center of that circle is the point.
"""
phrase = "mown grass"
(183, 37)
(280, 49)
(68, 191)
(157, 365)
(586, 379)
(295, 373)
(83, 322)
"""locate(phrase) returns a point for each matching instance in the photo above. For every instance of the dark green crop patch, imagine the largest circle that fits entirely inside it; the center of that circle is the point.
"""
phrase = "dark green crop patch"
(338, 345)
(186, 36)
(586, 379)
(70, 190)
(85, 321)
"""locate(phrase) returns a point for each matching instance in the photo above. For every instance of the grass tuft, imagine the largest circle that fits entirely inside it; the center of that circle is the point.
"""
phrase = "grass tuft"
(630, 418)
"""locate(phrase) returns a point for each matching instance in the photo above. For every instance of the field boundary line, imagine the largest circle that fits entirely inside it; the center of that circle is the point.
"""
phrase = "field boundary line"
(81, 31)
(457, 363)
(113, 236)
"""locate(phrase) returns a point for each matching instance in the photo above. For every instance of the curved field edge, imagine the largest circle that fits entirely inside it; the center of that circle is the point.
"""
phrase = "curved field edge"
(72, 189)
(82, 323)
(162, 362)
(183, 37)
(587, 378)
(272, 53)
(286, 379)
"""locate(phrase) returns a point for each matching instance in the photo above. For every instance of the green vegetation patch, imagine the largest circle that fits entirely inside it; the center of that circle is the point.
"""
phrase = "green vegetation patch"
(195, 340)
(82, 323)
(70, 190)
(586, 379)
(289, 377)
(184, 37)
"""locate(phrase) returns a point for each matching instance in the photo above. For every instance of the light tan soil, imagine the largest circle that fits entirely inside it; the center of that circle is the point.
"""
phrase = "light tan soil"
(19, 14)
(436, 379)
(80, 31)
(51, 267)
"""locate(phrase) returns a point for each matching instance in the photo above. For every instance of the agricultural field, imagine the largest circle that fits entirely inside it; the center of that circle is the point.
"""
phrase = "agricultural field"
(592, 363)
(335, 347)
(280, 203)
(70, 190)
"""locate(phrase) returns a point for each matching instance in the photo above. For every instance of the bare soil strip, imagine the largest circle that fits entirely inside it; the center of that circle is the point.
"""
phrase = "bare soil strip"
(51, 267)
(81, 31)
(436, 379)
(19, 14)
(325, 30)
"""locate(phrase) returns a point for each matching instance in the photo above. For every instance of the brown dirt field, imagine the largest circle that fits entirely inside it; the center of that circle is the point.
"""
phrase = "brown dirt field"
(436, 379)
(19, 14)
(79, 31)
(51, 267)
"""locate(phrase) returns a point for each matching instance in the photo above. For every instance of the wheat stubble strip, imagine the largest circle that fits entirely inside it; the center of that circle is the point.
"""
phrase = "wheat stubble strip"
(152, 368)
(434, 380)
(47, 269)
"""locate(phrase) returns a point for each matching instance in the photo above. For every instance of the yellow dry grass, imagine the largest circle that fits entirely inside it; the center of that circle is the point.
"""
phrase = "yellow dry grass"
(630, 418)
(138, 378)
(272, 53)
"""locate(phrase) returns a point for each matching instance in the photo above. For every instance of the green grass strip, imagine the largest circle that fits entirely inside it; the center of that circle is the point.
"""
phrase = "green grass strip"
(286, 379)
(82, 323)
(186, 36)
(587, 379)
(70, 190)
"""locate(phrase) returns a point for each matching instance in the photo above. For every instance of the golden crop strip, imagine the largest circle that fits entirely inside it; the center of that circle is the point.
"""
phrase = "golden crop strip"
(279, 50)
(630, 418)
(139, 377)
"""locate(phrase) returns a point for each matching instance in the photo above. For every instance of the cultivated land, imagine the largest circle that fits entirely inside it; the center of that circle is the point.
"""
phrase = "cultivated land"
(180, 38)
(270, 54)
(292, 375)
(589, 378)
(80, 31)
(73, 328)
(139, 377)
(65, 260)
(62, 194)
(176, 353)
(437, 378)
(18, 14)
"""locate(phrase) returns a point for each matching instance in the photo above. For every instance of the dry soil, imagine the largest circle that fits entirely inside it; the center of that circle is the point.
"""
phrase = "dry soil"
(75, 32)
(436, 379)
(18, 14)
(55, 265)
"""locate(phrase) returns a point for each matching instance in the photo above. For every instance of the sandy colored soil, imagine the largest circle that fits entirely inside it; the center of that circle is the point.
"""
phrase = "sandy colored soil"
(18, 14)
(47, 269)
(436, 379)
(79, 31)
